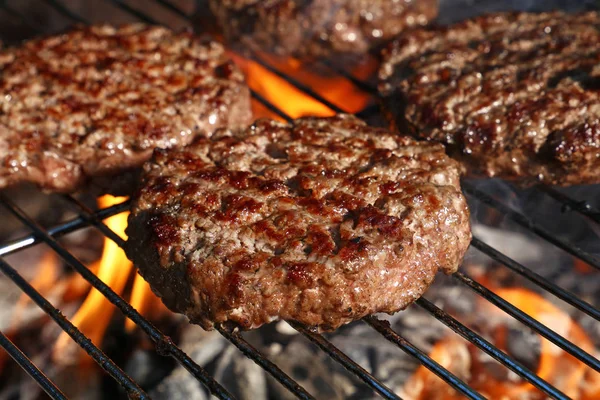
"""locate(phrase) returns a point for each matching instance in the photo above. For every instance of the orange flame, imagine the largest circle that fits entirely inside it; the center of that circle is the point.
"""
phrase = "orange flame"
(114, 269)
(294, 102)
(562, 370)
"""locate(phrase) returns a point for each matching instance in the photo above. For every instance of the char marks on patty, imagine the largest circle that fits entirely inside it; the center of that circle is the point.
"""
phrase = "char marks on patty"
(96, 100)
(321, 221)
(513, 95)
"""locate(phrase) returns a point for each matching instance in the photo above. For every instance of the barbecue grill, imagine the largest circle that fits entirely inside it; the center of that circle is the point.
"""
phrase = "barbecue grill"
(164, 346)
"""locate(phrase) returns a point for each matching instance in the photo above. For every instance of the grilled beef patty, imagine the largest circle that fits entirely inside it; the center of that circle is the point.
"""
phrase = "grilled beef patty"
(513, 95)
(319, 28)
(97, 100)
(322, 221)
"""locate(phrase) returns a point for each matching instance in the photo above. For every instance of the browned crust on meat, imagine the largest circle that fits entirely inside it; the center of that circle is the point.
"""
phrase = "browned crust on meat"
(513, 95)
(97, 100)
(319, 28)
(322, 221)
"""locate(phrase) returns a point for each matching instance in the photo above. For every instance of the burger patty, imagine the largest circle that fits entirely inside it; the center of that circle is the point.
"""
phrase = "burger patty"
(321, 221)
(95, 101)
(319, 28)
(513, 95)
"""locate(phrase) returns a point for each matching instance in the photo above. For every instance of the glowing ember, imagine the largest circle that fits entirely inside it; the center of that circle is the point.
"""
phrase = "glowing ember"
(338, 90)
(555, 366)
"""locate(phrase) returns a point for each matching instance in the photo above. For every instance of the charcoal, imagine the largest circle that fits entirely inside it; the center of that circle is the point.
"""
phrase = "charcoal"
(180, 385)
(240, 375)
(313, 370)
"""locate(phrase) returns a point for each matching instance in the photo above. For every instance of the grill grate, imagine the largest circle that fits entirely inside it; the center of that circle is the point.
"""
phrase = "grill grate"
(164, 345)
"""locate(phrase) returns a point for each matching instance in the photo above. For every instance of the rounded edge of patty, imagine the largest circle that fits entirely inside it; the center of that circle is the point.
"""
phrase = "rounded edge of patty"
(318, 29)
(512, 95)
(321, 221)
(93, 102)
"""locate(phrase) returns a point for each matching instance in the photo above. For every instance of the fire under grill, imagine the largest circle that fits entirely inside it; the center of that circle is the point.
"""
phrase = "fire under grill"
(480, 196)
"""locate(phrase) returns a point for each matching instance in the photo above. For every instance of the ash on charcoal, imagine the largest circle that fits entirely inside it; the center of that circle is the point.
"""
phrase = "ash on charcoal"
(179, 386)
(524, 346)
(312, 369)
(244, 378)
(203, 347)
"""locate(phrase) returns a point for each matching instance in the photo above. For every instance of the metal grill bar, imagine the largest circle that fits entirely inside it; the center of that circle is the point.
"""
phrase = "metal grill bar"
(490, 349)
(383, 327)
(345, 361)
(132, 388)
(58, 6)
(14, 13)
(94, 220)
(274, 109)
(267, 365)
(136, 13)
(173, 8)
(164, 345)
(27, 365)
(544, 283)
(582, 207)
(62, 229)
(296, 83)
(528, 321)
(526, 223)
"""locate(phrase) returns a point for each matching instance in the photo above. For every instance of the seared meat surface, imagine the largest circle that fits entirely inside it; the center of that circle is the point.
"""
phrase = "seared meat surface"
(95, 101)
(319, 28)
(513, 95)
(321, 221)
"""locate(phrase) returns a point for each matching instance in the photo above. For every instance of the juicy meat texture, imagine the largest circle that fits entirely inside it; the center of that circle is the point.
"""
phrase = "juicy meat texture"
(95, 101)
(321, 221)
(319, 28)
(513, 95)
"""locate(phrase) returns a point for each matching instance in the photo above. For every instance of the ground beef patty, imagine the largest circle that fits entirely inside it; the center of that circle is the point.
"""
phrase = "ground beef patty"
(318, 28)
(95, 101)
(322, 221)
(513, 95)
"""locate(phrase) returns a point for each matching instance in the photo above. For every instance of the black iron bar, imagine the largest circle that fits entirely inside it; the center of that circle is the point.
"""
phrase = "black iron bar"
(11, 11)
(172, 8)
(383, 327)
(490, 349)
(568, 203)
(530, 322)
(66, 12)
(30, 368)
(62, 229)
(132, 388)
(249, 351)
(94, 220)
(164, 344)
(526, 223)
(539, 280)
(297, 84)
(274, 109)
(136, 13)
(345, 361)
(364, 86)
(368, 111)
